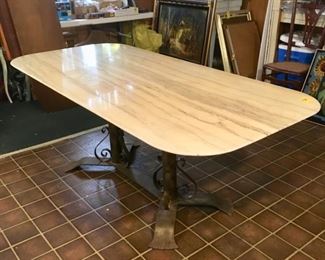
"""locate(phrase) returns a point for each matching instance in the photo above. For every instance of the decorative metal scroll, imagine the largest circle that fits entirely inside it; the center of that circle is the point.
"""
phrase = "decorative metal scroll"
(158, 180)
(105, 154)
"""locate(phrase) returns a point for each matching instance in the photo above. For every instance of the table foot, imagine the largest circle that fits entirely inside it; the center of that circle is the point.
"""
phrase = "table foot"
(90, 164)
(164, 237)
(106, 158)
(202, 199)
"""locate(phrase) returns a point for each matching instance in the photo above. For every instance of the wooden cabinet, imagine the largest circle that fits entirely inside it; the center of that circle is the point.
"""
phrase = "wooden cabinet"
(31, 26)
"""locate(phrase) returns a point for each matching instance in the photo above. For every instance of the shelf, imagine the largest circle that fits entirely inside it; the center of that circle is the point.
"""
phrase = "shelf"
(300, 18)
(85, 22)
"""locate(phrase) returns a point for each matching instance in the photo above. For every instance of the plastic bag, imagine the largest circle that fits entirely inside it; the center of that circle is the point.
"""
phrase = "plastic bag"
(146, 38)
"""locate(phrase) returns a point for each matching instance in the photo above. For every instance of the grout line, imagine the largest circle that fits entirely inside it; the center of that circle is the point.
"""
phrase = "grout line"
(264, 207)
(34, 224)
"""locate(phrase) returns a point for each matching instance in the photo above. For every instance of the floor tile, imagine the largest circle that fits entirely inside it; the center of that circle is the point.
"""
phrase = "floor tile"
(207, 253)
(274, 170)
(229, 221)
(127, 224)
(20, 186)
(13, 176)
(188, 242)
(319, 209)
(8, 255)
(61, 235)
(162, 255)
(244, 185)
(269, 220)
(288, 163)
(4, 193)
(12, 218)
(147, 213)
(210, 184)
(21, 232)
(112, 211)
(103, 237)
(54, 187)
(141, 239)
(253, 255)
(264, 197)
(32, 248)
(104, 207)
(8, 167)
(259, 177)
(27, 160)
(300, 256)
(209, 230)
(308, 172)
(250, 232)
(275, 248)
(51, 255)
(248, 207)
(3, 242)
(135, 201)
(75, 209)
(295, 179)
(88, 222)
(302, 199)
(39, 207)
(35, 169)
(315, 249)
(231, 246)
(280, 188)
(64, 197)
(49, 220)
(120, 250)
(294, 235)
(77, 249)
(190, 215)
(29, 196)
(311, 223)
(316, 189)
(44, 177)
(286, 209)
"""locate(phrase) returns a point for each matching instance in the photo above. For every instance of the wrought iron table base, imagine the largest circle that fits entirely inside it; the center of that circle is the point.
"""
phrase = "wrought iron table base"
(119, 154)
(166, 216)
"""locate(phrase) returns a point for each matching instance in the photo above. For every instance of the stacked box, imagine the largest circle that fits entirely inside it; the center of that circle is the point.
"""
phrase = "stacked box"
(228, 5)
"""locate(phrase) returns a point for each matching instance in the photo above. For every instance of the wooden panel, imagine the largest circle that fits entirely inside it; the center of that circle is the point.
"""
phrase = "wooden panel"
(38, 29)
(173, 105)
(8, 36)
(145, 5)
(258, 11)
(36, 24)
(243, 43)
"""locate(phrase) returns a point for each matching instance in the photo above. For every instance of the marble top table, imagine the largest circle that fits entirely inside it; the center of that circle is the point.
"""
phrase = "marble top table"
(173, 105)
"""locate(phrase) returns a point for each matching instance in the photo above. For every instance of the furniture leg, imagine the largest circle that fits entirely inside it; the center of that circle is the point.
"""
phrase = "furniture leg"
(166, 216)
(105, 159)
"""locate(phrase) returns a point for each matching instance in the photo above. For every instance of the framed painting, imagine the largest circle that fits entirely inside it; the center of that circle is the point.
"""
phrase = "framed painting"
(186, 28)
(222, 20)
(314, 84)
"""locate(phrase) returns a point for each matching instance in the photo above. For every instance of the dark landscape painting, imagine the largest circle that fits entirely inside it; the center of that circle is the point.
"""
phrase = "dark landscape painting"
(183, 29)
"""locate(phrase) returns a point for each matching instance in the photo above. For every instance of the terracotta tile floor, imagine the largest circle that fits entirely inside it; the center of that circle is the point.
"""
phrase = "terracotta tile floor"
(277, 185)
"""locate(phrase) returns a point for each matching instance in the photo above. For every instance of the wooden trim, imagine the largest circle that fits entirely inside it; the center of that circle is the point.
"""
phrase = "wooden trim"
(7, 33)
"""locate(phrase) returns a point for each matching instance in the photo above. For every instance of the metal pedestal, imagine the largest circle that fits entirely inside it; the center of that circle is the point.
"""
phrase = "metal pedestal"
(166, 216)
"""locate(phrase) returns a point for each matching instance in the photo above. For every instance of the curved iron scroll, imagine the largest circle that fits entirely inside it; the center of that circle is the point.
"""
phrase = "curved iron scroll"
(105, 154)
(158, 182)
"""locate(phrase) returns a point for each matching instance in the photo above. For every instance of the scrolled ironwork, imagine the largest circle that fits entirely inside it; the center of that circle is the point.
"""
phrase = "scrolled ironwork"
(181, 162)
(105, 154)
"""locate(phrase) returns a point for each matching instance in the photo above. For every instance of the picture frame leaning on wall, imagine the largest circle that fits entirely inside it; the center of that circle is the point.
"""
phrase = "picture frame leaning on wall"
(186, 28)
(314, 84)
